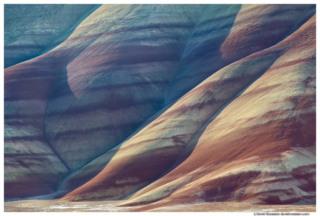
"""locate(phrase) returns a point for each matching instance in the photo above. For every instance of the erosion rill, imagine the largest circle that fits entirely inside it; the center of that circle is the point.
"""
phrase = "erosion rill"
(158, 104)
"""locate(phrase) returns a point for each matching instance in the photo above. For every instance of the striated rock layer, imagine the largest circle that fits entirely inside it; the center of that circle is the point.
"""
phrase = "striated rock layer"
(30, 29)
(167, 103)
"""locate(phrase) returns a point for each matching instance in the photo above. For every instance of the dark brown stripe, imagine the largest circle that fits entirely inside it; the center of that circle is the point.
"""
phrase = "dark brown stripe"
(28, 155)
(61, 90)
(25, 138)
(30, 116)
(107, 104)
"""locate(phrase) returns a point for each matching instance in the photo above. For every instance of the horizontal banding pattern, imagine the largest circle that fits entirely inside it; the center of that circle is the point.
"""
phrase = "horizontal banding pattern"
(96, 87)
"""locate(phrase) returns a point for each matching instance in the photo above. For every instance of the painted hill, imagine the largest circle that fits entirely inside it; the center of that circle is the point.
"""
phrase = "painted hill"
(163, 103)
(30, 29)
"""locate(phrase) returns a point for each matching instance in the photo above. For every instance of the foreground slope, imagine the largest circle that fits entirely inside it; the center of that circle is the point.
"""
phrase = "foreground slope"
(265, 135)
(168, 102)
(262, 144)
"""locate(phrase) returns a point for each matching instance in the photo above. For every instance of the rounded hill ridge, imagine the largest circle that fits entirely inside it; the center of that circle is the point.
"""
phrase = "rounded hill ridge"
(160, 104)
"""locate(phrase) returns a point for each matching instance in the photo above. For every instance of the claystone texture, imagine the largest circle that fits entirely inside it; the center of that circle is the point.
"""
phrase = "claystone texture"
(158, 104)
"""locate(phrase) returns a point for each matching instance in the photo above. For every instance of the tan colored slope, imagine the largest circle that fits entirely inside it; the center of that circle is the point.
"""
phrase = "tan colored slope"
(261, 146)
(104, 78)
(247, 133)
(212, 27)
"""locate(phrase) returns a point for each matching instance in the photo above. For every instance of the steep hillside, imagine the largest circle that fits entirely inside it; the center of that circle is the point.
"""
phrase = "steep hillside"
(164, 104)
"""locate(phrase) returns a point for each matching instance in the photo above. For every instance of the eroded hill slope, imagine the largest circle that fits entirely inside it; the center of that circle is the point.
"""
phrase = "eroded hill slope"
(168, 102)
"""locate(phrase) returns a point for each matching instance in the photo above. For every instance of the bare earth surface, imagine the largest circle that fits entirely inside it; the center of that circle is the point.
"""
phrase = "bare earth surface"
(159, 106)
(112, 206)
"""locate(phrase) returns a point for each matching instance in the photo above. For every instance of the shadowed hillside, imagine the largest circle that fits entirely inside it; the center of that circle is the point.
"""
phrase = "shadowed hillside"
(158, 104)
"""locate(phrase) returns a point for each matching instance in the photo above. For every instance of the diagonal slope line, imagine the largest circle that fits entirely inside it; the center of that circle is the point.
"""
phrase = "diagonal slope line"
(199, 132)
(200, 21)
(186, 152)
(219, 109)
(188, 149)
(51, 44)
(139, 127)
(106, 32)
(65, 34)
(307, 14)
(186, 45)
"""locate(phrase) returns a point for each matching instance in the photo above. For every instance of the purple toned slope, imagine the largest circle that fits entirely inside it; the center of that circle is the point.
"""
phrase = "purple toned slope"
(118, 81)
(168, 103)
(243, 138)
(256, 147)
(28, 86)
(223, 36)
